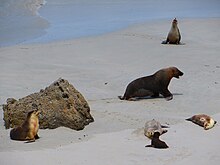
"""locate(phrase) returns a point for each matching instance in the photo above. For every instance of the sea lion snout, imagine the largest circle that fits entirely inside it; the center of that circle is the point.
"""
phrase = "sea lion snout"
(177, 73)
(37, 112)
(180, 74)
(175, 21)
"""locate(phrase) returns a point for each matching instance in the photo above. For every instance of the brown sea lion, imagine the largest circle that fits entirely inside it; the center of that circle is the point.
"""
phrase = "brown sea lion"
(29, 129)
(153, 126)
(152, 85)
(156, 142)
(174, 36)
(203, 120)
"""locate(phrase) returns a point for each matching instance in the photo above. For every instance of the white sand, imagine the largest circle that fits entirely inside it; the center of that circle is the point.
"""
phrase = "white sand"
(100, 68)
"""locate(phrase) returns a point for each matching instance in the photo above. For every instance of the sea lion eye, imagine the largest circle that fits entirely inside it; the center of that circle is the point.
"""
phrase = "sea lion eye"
(202, 119)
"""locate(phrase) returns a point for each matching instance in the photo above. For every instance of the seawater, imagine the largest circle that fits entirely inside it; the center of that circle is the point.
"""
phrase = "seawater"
(20, 21)
(34, 21)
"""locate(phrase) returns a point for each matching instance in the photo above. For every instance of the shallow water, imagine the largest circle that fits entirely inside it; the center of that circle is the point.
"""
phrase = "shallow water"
(20, 21)
(67, 19)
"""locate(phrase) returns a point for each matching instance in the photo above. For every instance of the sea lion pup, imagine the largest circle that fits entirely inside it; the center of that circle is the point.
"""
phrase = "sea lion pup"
(156, 142)
(174, 36)
(203, 120)
(152, 85)
(153, 126)
(28, 130)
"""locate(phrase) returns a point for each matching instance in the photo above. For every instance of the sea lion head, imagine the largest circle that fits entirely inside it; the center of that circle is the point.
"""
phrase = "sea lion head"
(209, 123)
(175, 22)
(33, 114)
(156, 134)
(150, 134)
(175, 72)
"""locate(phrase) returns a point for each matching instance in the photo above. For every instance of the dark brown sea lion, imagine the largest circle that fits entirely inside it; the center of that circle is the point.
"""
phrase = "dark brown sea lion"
(174, 36)
(152, 85)
(203, 120)
(156, 142)
(28, 130)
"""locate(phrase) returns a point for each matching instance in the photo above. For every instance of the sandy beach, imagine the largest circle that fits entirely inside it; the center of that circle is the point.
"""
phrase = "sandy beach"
(100, 68)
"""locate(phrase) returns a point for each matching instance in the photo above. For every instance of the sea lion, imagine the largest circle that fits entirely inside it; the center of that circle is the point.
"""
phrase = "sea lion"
(174, 36)
(153, 126)
(152, 85)
(203, 120)
(28, 130)
(156, 142)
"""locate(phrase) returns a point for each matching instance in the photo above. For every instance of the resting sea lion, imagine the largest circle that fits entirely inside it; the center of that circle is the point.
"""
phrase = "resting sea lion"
(174, 36)
(152, 85)
(156, 142)
(153, 126)
(203, 120)
(28, 130)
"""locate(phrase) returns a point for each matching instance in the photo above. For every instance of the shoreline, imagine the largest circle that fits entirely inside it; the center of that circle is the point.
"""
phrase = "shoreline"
(68, 19)
(100, 68)
(35, 42)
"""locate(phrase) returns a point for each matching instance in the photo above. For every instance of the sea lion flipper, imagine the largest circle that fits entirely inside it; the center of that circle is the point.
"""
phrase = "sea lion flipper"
(148, 146)
(36, 136)
(121, 97)
(169, 98)
(164, 42)
(179, 36)
(164, 131)
(166, 94)
(164, 126)
(30, 141)
(189, 119)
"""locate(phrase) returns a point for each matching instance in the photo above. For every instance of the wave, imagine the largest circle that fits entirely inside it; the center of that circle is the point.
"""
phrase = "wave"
(20, 7)
(20, 21)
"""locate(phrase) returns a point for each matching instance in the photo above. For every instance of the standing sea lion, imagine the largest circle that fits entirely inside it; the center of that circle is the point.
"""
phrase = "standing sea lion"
(153, 126)
(203, 120)
(174, 36)
(152, 85)
(28, 130)
(156, 142)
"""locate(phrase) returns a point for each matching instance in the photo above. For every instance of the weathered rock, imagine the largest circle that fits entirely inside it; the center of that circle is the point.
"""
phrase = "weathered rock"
(60, 105)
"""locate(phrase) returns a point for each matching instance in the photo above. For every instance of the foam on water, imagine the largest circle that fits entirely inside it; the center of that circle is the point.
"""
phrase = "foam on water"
(20, 21)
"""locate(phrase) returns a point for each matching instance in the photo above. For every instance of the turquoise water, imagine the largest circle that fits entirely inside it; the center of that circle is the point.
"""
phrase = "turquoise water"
(33, 21)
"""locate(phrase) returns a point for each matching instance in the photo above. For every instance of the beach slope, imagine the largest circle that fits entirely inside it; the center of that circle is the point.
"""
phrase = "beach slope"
(100, 68)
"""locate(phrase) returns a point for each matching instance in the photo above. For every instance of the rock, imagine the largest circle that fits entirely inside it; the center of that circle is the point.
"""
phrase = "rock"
(60, 105)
